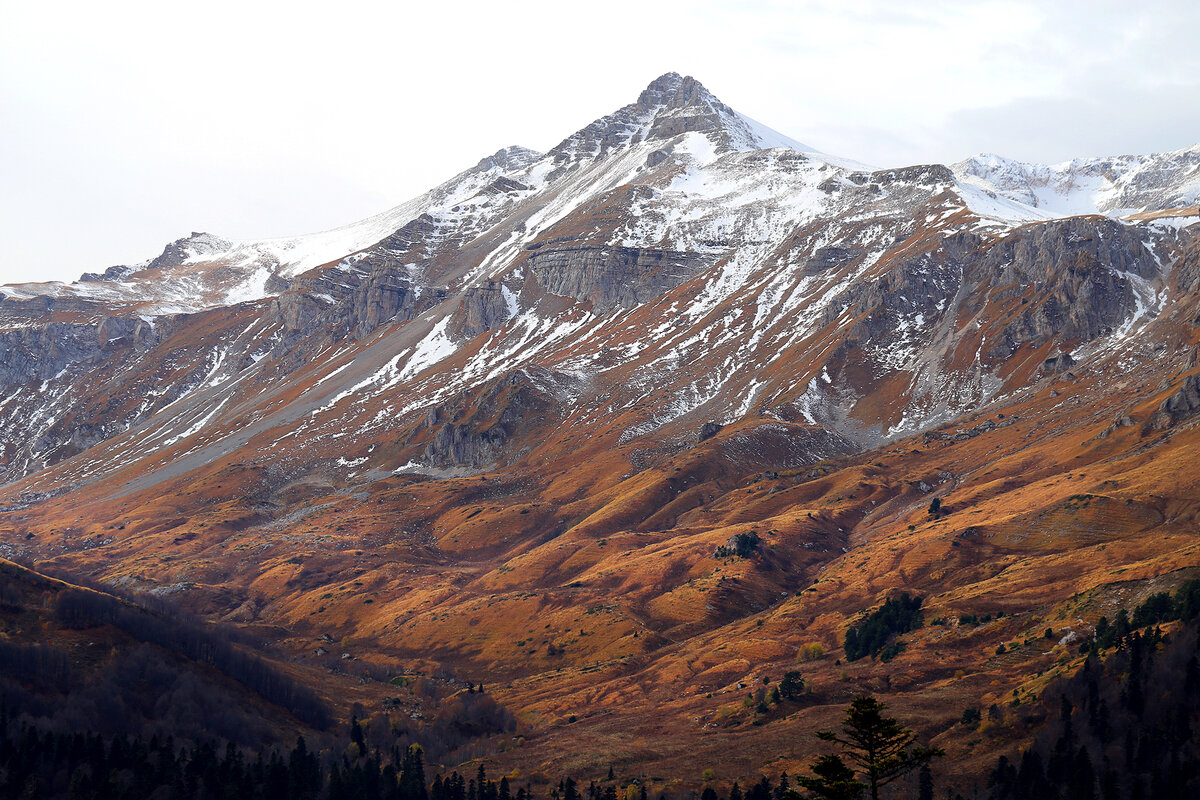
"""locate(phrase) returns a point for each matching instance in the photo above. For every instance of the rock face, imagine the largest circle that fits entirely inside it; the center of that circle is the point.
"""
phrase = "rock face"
(609, 277)
(1074, 280)
(180, 250)
(484, 307)
(1182, 405)
(386, 297)
(1058, 363)
(39, 353)
(115, 332)
(119, 272)
(475, 431)
(921, 174)
(826, 258)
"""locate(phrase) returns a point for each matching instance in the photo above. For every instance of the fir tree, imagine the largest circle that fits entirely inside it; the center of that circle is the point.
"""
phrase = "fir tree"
(880, 746)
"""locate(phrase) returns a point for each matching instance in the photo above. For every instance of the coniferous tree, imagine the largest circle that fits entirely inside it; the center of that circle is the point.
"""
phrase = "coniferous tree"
(880, 746)
(832, 780)
(925, 783)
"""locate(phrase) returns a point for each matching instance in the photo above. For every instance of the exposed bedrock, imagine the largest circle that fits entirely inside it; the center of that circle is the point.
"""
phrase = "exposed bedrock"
(920, 174)
(1073, 276)
(352, 303)
(1182, 405)
(386, 297)
(1069, 280)
(41, 351)
(611, 277)
(484, 307)
(922, 284)
(116, 332)
(477, 429)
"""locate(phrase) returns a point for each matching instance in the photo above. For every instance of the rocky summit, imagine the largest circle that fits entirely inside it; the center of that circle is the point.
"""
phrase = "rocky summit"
(629, 430)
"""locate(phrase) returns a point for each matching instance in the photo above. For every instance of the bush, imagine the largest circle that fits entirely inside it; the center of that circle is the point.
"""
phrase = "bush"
(811, 651)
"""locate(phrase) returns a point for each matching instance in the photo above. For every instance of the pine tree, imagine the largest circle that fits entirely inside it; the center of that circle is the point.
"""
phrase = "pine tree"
(925, 783)
(833, 779)
(880, 746)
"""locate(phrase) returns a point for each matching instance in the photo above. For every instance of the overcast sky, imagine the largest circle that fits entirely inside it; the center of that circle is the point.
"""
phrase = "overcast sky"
(124, 125)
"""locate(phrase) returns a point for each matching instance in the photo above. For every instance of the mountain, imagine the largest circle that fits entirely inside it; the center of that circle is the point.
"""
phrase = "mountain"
(516, 426)
(1120, 185)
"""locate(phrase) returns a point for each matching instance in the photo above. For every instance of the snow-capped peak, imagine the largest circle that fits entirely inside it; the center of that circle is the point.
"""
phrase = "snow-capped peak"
(672, 105)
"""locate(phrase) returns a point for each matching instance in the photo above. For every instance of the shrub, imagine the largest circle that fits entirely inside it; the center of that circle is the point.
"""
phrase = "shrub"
(811, 651)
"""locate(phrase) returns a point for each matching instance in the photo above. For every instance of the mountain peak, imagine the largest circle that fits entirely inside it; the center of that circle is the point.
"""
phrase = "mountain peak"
(672, 104)
(675, 91)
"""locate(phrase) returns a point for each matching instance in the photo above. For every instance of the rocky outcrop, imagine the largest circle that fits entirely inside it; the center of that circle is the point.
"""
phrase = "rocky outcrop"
(916, 285)
(611, 277)
(1057, 363)
(503, 185)
(1183, 404)
(117, 273)
(963, 434)
(509, 158)
(921, 174)
(196, 245)
(352, 302)
(671, 105)
(114, 333)
(298, 311)
(386, 297)
(827, 258)
(474, 430)
(1073, 277)
(39, 353)
(484, 307)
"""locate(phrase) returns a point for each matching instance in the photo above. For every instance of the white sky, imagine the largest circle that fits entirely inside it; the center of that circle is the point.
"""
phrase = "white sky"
(124, 125)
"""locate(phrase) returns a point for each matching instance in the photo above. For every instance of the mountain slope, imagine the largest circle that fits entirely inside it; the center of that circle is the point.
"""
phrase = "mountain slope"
(508, 427)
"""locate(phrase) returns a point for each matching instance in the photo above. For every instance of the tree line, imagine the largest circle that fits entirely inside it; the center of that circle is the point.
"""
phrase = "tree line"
(1123, 726)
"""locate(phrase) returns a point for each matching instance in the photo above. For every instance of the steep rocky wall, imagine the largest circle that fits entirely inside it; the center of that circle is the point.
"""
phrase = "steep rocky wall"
(1073, 276)
(483, 307)
(611, 277)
